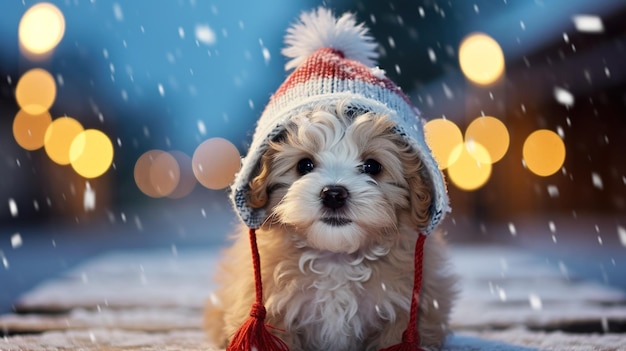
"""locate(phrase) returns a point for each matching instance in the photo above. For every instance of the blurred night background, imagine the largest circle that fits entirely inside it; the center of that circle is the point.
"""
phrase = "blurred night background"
(173, 74)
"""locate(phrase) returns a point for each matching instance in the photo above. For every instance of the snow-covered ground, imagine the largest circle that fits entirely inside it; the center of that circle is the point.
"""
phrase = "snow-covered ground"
(152, 300)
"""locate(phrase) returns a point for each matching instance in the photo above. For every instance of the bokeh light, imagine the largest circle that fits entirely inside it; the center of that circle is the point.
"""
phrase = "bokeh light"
(544, 152)
(215, 163)
(164, 174)
(467, 173)
(187, 181)
(481, 59)
(29, 130)
(91, 153)
(35, 91)
(142, 172)
(58, 139)
(41, 28)
(443, 137)
(490, 133)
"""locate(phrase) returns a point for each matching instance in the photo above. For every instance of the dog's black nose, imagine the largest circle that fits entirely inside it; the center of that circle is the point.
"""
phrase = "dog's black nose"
(334, 196)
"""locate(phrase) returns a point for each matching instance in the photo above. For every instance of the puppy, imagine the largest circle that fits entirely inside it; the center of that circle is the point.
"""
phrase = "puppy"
(344, 193)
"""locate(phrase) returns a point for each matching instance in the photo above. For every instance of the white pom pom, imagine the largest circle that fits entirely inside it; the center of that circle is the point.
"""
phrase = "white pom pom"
(320, 29)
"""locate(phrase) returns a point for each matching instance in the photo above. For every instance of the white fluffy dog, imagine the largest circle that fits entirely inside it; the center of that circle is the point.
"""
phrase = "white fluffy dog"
(345, 194)
(338, 192)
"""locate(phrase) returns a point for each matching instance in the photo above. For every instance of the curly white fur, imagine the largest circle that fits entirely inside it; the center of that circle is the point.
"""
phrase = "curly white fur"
(320, 29)
(338, 287)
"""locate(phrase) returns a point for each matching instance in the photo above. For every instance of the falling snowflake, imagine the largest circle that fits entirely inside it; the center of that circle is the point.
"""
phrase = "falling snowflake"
(552, 227)
(161, 89)
(205, 35)
(378, 72)
(89, 198)
(512, 229)
(566, 37)
(138, 223)
(502, 294)
(13, 208)
(621, 232)
(432, 55)
(535, 302)
(564, 270)
(117, 12)
(60, 80)
(597, 180)
(16, 240)
(201, 127)
(181, 32)
(447, 91)
(266, 55)
(588, 23)
(564, 97)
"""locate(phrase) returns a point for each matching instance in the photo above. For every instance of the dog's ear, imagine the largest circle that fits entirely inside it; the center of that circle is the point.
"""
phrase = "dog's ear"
(420, 188)
(258, 194)
(421, 199)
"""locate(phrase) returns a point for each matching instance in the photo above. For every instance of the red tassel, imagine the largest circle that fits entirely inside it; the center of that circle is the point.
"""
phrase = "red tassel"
(253, 334)
(410, 337)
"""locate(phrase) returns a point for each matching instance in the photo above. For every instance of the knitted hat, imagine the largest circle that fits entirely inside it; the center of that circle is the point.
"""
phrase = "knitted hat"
(333, 61)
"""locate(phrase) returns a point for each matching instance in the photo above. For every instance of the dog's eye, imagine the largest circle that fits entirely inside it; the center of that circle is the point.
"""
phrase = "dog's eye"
(305, 166)
(371, 166)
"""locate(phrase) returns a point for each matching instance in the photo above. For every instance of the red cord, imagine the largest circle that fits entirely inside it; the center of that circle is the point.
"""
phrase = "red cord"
(253, 333)
(410, 337)
(256, 264)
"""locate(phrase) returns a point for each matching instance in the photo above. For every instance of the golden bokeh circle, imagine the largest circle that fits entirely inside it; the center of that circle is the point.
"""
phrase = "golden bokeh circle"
(35, 91)
(58, 139)
(443, 138)
(29, 130)
(91, 153)
(467, 173)
(490, 133)
(41, 28)
(481, 59)
(544, 152)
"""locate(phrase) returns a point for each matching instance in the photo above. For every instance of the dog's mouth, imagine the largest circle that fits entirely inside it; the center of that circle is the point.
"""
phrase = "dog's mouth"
(336, 221)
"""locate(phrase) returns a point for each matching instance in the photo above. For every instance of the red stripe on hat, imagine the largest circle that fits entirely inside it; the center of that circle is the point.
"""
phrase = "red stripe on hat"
(330, 63)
